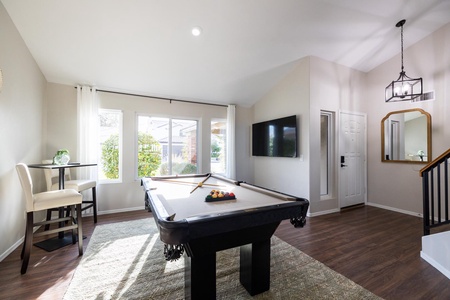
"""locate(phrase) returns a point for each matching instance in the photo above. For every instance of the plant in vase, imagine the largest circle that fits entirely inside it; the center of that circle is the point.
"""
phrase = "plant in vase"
(421, 154)
(61, 157)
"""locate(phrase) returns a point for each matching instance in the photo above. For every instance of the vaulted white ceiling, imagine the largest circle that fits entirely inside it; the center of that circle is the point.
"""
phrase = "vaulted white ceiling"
(246, 46)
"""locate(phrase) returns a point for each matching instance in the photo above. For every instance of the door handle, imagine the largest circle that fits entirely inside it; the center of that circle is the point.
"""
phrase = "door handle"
(342, 165)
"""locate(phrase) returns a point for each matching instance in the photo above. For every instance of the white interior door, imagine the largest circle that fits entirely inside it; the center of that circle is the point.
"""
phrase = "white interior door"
(352, 159)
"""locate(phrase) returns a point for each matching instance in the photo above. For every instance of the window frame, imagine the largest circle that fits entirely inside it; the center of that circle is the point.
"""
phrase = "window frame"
(169, 137)
(224, 120)
(330, 164)
(120, 146)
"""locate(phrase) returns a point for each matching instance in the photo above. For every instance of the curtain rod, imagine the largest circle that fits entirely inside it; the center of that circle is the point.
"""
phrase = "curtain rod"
(160, 98)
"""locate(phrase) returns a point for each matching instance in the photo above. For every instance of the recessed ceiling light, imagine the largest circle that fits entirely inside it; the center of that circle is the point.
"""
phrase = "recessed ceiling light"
(196, 31)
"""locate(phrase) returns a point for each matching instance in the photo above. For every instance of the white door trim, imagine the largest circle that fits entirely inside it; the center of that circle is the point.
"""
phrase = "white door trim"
(338, 165)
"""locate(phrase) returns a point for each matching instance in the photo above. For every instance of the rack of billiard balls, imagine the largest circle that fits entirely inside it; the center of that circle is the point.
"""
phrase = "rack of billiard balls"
(218, 195)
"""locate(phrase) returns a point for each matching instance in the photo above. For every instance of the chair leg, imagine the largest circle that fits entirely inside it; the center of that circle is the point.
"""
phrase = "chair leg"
(74, 237)
(24, 245)
(94, 202)
(80, 230)
(28, 243)
(67, 213)
(49, 216)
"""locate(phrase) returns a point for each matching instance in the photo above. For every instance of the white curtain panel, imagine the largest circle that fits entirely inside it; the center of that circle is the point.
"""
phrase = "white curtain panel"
(231, 152)
(87, 122)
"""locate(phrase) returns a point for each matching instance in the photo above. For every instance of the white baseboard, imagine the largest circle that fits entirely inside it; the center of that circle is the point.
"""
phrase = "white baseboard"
(114, 211)
(435, 264)
(325, 212)
(411, 213)
(16, 244)
(11, 249)
(434, 248)
(107, 212)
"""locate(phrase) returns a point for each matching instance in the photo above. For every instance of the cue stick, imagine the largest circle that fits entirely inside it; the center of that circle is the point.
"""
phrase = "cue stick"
(201, 183)
(190, 182)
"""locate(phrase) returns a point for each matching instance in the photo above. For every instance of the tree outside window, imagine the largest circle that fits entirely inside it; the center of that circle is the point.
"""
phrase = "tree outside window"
(110, 132)
(218, 142)
(149, 155)
(171, 147)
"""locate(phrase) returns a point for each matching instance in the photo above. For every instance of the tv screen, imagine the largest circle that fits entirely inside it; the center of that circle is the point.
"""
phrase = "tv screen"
(276, 138)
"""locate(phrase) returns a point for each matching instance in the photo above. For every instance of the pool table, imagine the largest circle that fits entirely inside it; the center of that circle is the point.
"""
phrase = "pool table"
(192, 223)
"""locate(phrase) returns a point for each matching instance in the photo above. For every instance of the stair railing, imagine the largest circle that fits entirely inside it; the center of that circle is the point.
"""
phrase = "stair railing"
(435, 191)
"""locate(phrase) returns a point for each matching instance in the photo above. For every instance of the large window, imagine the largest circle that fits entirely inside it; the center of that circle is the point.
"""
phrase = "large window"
(166, 146)
(110, 135)
(218, 142)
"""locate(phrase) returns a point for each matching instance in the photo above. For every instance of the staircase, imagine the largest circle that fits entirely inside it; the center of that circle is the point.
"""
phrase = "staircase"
(435, 181)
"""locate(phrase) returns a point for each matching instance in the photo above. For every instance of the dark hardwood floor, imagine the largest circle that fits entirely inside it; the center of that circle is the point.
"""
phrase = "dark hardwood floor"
(376, 248)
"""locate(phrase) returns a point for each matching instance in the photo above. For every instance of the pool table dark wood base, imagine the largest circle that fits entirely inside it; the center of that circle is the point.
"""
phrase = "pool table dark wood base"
(200, 261)
(189, 225)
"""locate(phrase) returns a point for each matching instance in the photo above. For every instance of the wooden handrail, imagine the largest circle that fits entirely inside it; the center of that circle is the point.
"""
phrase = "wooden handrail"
(435, 162)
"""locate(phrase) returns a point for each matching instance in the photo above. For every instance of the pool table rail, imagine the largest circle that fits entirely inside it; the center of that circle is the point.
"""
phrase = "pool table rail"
(176, 232)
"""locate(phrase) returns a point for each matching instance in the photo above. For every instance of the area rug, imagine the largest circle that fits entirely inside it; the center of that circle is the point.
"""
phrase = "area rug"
(125, 261)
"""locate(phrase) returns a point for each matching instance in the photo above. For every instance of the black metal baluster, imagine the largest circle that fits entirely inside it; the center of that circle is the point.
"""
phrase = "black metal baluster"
(446, 189)
(439, 219)
(426, 203)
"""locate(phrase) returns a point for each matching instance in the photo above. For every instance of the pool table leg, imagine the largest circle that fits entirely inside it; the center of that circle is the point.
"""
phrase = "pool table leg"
(200, 276)
(255, 267)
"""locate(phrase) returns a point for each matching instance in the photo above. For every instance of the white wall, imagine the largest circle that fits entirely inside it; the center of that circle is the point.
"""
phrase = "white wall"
(21, 121)
(396, 185)
(61, 120)
(30, 133)
(289, 97)
(312, 86)
(244, 162)
(334, 88)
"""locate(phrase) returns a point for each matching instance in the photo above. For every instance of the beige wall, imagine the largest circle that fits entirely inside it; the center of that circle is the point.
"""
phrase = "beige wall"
(21, 131)
(244, 162)
(128, 195)
(37, 118)
(289, 97)
(394, 185)
(334, 88)
(61, 120)
(312, 86)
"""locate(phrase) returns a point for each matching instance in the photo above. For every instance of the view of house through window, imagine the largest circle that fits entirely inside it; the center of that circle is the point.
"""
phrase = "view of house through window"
(166, 146)
(110, 136)
(218, 142)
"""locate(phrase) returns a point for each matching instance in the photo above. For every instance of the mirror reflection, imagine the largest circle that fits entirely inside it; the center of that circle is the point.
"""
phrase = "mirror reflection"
(406, 136)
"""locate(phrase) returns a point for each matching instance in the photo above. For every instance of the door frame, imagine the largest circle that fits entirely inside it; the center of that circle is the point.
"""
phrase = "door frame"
(338, 155)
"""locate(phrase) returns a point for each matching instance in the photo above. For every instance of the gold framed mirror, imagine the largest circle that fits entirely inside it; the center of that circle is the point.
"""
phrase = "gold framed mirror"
(406, 136)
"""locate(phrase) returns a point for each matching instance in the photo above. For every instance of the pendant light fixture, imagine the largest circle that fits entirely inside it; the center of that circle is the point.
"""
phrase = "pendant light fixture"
(404, 88)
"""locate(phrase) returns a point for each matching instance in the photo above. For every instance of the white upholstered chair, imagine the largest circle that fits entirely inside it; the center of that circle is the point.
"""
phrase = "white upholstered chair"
(45, 201)
(51, 178)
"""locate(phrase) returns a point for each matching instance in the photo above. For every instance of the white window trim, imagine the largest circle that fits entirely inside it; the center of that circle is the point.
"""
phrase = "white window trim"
(331, 155)
(120, 179)
(170, 118)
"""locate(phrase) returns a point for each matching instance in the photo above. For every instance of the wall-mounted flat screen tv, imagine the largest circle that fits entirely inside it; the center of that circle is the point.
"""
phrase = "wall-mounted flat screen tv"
(275, 138)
